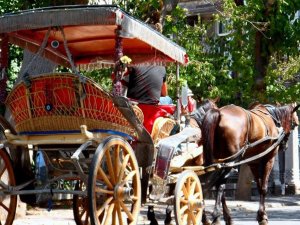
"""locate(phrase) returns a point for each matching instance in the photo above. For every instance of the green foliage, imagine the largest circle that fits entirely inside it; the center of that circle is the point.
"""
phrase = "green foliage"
(15, 53)
(283, 85)
(201, 70)
(219, 65)
(141, 9)
(15, 60)
(225, 66)
(280, 44)
(102, 76)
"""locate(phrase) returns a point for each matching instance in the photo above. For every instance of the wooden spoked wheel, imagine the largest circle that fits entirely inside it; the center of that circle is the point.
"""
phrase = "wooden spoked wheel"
(80, 206)
(8, 203)
(188, 199)
(114, 187)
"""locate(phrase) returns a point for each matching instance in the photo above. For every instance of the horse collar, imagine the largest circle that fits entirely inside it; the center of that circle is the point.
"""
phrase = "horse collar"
(272, 111)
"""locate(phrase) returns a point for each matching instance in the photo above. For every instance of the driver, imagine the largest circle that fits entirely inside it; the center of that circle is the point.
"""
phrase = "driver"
(147, 84)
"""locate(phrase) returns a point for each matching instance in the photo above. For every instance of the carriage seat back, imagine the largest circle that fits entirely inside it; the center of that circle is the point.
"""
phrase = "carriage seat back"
(63, 101)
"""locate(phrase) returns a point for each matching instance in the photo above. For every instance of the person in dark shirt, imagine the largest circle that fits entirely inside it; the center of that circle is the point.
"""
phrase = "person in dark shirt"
(147, 83)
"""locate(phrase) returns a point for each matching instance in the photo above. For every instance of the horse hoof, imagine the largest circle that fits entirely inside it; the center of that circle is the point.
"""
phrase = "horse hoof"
(230, 222)
(263, 222)
(216, 222)
(207, 223)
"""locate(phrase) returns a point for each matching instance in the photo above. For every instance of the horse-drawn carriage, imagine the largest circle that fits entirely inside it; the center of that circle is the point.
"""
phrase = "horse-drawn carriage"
(61, 126)
(64, 127)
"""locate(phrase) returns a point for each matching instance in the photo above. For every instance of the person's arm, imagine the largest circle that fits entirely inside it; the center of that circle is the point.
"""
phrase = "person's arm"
(164, 89)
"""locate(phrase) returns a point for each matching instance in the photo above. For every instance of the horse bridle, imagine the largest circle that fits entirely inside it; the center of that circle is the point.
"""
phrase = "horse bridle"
(293, 123)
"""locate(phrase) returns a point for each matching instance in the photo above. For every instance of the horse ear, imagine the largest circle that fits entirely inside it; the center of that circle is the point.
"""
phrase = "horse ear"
(296, 108)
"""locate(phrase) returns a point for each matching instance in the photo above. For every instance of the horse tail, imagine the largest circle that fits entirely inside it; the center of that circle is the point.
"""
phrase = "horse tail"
(210, 122)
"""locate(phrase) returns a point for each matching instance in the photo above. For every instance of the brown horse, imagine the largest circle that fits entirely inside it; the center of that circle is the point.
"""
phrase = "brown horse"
(233, 136)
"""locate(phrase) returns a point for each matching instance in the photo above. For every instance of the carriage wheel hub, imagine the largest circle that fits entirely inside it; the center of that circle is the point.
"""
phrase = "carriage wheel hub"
(121, 192)
(194, 203)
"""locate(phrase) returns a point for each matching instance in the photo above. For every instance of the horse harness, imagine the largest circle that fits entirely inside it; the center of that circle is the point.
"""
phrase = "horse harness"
(232, 160)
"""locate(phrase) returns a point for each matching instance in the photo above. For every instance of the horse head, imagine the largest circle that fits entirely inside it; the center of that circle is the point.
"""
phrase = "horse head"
(295, 119)
(287, 116)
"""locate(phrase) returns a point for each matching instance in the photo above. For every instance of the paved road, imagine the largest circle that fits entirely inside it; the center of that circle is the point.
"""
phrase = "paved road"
(281, 210)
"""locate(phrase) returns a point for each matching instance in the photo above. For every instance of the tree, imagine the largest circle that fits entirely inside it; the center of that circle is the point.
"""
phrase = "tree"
(268, 36)
(235, 65)
(201, 70)
(260, 53)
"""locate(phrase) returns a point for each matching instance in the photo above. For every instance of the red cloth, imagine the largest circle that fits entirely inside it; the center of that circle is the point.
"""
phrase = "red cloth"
(152, 112)
(191, 105)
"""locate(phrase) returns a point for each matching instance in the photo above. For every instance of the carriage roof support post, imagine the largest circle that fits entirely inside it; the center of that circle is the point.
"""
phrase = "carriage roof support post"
(3, 70)
(177, 94)
(117, 85)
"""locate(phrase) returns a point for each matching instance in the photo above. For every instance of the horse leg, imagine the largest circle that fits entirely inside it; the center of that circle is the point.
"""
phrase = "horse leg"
(205, 220)
(261, 175)
(217, 212)
(226, 214)
(217, 179)
(217, 208)
(281, 162)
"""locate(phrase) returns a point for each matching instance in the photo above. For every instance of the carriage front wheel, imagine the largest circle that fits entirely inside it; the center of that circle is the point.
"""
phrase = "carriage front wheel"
(114, 186)
(188, 199)
(8, 203)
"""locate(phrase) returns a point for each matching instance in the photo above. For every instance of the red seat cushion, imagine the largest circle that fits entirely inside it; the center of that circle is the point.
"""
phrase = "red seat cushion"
(152, 112)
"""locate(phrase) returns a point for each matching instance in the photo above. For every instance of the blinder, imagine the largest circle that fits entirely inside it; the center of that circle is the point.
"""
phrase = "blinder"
(293, 122)
(296, 108)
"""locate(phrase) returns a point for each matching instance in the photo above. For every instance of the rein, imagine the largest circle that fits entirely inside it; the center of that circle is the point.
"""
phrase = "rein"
(279, 138)
(247, 145)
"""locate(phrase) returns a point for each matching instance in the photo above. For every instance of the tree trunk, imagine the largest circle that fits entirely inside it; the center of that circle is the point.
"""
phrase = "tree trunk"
(168, 6)
(262, 54)
(260, 64)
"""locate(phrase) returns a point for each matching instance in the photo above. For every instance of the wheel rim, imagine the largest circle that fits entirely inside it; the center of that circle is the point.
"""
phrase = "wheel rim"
(8, 203)
(188, 199)
(114, 184)
(80, 206)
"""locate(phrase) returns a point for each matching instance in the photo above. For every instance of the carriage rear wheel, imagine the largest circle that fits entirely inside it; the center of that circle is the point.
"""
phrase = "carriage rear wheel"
(188, 199)
(114, 186)
(8, 203)
(80, 206)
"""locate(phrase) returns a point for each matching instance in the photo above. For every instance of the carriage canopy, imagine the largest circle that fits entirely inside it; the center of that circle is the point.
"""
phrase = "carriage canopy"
(90, 33)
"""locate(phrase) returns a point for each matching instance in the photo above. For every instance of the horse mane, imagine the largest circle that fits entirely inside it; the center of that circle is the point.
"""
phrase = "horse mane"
(283, 114)
(210, 121)
(199, 113)
(254, 104)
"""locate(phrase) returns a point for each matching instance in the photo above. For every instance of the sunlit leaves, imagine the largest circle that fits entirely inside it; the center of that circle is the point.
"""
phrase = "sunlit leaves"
(283, 80)
(219, 65)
